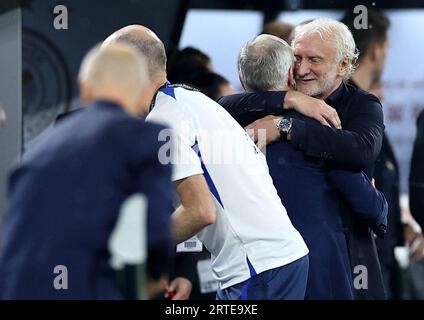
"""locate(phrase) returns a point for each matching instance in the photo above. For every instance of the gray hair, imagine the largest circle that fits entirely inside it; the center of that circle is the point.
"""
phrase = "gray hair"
(336, 33)
(152, 49)
(264, 63)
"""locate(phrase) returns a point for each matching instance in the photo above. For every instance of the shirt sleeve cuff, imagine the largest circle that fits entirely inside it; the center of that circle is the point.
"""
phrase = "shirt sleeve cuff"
(186, 173)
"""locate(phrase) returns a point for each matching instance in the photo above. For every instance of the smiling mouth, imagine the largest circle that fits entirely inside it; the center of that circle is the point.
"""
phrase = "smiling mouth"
(304, 81)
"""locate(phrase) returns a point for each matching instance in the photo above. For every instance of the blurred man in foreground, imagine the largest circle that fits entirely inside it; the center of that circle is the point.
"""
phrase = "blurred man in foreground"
(66, 193)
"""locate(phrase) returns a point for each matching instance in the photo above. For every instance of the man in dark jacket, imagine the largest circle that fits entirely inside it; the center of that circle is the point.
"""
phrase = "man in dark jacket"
(416, 176)
(67, 191)
(372, 44)
(325, 55)
(310, 191)
(414, 235)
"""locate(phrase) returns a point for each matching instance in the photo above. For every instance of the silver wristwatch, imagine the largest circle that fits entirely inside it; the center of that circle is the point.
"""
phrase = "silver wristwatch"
(284, 125)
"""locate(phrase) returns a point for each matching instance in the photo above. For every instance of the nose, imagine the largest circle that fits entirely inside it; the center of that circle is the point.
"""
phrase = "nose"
(302, 68)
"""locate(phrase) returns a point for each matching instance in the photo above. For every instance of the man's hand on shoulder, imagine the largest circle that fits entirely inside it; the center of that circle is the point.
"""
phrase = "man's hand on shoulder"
(312, 108)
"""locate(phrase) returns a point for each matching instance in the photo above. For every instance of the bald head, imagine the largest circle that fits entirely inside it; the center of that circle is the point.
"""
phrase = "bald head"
(115, 72)
(147, 42)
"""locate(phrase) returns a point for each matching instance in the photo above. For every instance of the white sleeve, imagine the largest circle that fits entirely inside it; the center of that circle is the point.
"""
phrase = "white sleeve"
(181, 137)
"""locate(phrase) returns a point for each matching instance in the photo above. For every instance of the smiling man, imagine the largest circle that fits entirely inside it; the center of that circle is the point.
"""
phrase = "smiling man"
(316, 73)
(265, 64)
(325, 56)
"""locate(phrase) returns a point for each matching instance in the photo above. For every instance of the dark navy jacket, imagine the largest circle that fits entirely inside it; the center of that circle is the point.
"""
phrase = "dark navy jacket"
(416, 175)
(386, 176)
(64, 200)
(312, 196)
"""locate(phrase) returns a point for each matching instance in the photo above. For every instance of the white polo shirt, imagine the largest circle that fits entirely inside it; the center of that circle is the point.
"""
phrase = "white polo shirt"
(252, 223)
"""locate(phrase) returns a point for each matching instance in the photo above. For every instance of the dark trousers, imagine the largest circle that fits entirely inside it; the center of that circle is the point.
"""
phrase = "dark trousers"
(284, 283)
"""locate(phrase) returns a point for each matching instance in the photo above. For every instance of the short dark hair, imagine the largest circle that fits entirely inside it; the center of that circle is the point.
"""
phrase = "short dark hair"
(209, 83)
(193, 54)
(365, 37)
(186, 63)
(279, 29)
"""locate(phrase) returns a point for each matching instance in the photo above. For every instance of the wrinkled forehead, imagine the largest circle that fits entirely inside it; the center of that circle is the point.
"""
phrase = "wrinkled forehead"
(314, 45)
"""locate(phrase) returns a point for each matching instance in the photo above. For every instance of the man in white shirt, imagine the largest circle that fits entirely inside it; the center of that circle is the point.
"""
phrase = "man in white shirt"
(227, 195)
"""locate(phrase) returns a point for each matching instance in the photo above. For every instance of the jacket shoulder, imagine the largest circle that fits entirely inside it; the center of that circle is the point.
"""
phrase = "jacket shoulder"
(363, 96)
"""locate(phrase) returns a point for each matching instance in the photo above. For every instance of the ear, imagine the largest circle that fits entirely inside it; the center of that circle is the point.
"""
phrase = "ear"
(86, 93)
(342, 69)
(147, 93)
(143, 102)
(378, 51)
(241, 81)
(373, 50)
(291, 83)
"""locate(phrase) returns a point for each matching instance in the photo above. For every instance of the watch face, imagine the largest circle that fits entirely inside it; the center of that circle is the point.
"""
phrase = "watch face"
(284, 125)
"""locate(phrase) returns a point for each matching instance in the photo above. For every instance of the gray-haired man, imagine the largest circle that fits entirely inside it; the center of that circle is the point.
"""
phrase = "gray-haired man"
(325, 55)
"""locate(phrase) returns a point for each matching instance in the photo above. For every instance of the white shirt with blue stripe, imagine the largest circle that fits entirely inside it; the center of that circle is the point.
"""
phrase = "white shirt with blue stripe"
(252, 226)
